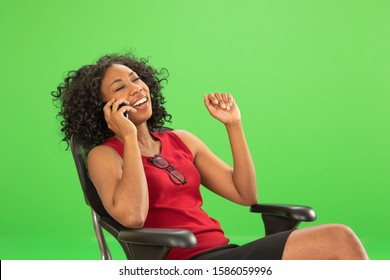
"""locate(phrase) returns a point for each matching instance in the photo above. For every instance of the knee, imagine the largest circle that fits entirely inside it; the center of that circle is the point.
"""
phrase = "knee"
(331, 241)
(346, 243)
(340, 233)
(340, 230)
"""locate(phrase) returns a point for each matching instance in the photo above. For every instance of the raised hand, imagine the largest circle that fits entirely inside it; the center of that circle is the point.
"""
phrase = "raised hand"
(222, 107)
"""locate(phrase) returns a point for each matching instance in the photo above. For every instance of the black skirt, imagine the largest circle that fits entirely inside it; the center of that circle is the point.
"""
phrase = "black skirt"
(270, 247)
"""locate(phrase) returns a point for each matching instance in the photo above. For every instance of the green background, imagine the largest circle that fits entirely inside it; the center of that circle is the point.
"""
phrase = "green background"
(311, 79)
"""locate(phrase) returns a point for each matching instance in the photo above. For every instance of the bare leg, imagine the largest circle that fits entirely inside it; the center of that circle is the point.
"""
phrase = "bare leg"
(324, 242)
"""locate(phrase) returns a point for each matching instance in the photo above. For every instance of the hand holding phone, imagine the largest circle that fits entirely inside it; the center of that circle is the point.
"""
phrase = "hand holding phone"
(126, 113)
(112, 115)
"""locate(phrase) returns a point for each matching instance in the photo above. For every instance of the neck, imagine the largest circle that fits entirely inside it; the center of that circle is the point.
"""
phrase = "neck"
(143, 136)
(146, 142)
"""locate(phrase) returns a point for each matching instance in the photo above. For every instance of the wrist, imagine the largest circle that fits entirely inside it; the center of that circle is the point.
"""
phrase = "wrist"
(233, 124)
(130, 136)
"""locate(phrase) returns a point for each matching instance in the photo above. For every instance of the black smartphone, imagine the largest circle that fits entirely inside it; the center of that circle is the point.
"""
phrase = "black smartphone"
(121, 105)
(126, 114)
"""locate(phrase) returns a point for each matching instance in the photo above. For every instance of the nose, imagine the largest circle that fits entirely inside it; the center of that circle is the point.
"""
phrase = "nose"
(134, 89)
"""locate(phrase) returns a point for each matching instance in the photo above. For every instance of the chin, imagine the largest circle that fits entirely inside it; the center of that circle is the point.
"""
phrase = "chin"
(139, 119)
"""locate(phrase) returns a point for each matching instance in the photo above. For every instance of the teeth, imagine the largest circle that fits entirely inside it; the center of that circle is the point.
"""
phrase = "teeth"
(139, 102)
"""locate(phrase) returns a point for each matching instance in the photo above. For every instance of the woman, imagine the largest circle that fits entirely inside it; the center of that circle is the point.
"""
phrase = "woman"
(152, 179)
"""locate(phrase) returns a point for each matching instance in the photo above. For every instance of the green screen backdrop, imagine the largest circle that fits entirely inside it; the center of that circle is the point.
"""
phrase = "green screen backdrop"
(312, 79)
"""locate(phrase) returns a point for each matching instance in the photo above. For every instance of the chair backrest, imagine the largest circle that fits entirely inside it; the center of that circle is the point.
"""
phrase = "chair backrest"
(90, 194)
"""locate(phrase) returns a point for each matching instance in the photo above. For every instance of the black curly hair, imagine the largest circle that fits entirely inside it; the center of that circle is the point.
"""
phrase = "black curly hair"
(80, 100)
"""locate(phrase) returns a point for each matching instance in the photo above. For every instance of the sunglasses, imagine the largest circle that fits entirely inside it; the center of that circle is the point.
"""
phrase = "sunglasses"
(174, 174)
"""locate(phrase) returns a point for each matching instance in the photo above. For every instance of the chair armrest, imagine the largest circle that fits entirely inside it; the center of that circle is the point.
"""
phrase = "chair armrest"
(159, 236)
(282, 217)
(293, 212)
(148, 243)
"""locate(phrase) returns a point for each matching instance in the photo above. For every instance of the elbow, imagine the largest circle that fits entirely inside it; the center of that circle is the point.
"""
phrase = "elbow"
(133, 221)
(130, 218)
(249, 201)
(134, 224)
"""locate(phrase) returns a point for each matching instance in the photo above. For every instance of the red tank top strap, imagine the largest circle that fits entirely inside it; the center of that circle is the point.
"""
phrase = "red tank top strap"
(171, 142)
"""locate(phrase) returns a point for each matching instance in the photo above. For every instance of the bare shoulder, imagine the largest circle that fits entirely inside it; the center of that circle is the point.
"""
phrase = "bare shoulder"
(184, 134)
(102, 154)
(192, 142)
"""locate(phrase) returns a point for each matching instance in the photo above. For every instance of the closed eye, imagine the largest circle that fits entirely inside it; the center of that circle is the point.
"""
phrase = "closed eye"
(123, 86)
(120, 88)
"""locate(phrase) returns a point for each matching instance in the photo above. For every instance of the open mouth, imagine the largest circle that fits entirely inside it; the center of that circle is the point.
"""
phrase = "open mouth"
(139, 102)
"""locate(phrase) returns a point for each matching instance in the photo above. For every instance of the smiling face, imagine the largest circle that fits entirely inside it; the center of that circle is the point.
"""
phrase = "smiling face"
(121, 82)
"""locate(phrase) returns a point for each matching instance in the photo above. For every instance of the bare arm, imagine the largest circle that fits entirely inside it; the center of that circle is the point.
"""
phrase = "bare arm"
(237, 184)
(244, 175)
(120, 183)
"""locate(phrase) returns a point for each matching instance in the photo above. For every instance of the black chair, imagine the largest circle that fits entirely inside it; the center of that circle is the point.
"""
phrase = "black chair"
(153, 243)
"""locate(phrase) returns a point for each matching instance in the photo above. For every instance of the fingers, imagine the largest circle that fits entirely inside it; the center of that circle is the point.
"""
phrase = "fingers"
(113, 106)
(107, 107)
(222, 100)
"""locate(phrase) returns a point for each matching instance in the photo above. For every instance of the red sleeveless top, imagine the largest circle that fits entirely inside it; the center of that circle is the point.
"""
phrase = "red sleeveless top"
(177, 206)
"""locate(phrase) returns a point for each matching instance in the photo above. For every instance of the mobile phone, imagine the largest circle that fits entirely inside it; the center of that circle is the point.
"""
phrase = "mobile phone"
(120, 106)
(126, 114)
